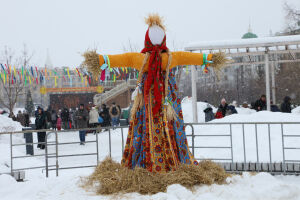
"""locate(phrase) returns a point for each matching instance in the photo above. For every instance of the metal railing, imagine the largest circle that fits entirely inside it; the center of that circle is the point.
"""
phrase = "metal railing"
(230, 131)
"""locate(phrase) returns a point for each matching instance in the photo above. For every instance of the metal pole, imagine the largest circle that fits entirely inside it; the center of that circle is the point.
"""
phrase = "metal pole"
(270, 148)
(273, 83)
(244, 145)
(283, 148)
(267, 72)
(109, 142)
(193, 140)
(194, 94)
(56, 153)
(257, 156)
(46, 155)
(11, 155)
(122, 140)
(97, 147)
(230, 128)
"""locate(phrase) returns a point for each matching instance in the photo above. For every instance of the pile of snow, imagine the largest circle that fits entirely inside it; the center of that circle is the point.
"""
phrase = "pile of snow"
(246, 187)
(262, 116)
(7, 124)
(187, 107)
(296, 110)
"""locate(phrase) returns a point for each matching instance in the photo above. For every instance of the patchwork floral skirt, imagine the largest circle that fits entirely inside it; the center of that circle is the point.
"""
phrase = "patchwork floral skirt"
(152, 142)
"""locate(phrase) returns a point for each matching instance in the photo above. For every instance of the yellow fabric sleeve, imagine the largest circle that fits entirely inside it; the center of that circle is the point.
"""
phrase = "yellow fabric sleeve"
(135, 60)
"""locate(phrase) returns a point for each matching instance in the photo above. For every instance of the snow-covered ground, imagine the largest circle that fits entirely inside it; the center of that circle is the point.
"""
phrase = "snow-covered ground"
(66, 186)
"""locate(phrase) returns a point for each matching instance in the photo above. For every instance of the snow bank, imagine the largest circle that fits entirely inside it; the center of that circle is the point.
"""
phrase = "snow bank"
(296, 110)
(263, 116)
(244, 114)
(7, 124)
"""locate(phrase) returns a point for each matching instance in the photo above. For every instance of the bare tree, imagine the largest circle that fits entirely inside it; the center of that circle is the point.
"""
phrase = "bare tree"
(12, 89)
(292, 19)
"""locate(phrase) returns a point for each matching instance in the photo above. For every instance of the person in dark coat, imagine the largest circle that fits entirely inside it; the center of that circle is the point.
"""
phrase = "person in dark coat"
(65, 118)
(21, 118)
(223, 107)
(82, 117)
(209, 115)
(53, 119)
(41, 123)
(26, 118)
(105, 115)
(274, 107)
(260, 104)
(286, 105)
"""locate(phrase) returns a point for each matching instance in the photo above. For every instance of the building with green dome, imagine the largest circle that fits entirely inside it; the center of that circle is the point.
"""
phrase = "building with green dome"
(249, 34)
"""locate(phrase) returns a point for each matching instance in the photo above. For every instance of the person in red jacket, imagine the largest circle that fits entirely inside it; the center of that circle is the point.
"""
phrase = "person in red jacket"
(219, 114)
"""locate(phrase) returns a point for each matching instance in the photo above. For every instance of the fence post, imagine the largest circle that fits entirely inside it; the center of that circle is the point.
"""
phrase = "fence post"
(122, 140)
(257, 156)
(97, 148)
(230, 129)
(244, 145)
(270, 148)
(11, 155)
(109, 142)
(283, 150)
(56, 153)
(46, 155)
(193, 140)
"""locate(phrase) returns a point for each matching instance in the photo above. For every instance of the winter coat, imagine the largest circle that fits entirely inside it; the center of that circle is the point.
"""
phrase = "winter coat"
(106, 117)
(260, 105)
(58, 122)
(21, 119)
(223, 108)
(93, 116)
(65, 115)
(232, 109)
(274, 108)
(219, 115)
(53, 116)
(209, 115)
(82, 118)
(286, 105)
(117, 114)
(40, 121)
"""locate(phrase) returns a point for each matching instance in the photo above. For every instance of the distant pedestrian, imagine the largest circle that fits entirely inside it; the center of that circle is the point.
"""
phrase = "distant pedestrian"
(286, 105)
(58, 123)
(21, 118)
(40, 123)
(53, 119)
(26, 118)
(114, 113)
(261, 104)
(223, 107)
(209, 115)
(219, 114)
(82, 119)
(65, 118)
(105, 115)
(93, 117)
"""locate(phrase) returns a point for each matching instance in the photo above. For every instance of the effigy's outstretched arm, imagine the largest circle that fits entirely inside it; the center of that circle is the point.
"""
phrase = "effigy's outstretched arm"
(96, 63)
(181, 58)
(134, 60)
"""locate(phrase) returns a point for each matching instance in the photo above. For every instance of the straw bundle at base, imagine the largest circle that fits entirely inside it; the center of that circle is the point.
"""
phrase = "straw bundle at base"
(112, 178)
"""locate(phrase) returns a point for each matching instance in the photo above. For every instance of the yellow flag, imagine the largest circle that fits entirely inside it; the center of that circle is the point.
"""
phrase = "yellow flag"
(86, 80)
(55, 82)
(68, 72)
(15, 72)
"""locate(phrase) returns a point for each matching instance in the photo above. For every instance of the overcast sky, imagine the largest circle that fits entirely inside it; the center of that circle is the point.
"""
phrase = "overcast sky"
(69, 27)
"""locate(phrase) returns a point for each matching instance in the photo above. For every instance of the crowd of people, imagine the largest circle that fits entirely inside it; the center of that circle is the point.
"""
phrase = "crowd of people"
(225, 109)
(79, 118)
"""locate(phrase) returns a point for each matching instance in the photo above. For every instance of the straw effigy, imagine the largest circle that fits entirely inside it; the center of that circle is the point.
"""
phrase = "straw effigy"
(112, 178)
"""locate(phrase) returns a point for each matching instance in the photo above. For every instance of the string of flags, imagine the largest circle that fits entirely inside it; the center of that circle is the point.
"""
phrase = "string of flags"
(34, 75)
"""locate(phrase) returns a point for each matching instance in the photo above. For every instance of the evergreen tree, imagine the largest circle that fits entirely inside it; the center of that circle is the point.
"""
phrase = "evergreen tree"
(29, 107)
